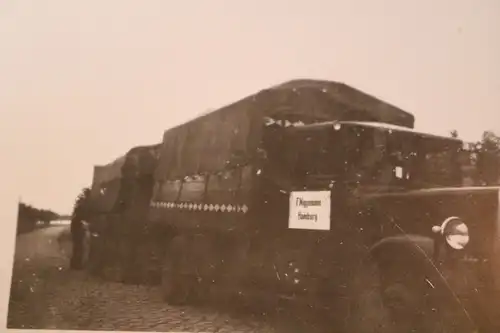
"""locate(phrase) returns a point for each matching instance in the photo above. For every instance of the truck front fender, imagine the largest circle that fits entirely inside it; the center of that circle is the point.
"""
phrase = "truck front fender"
(406, 248)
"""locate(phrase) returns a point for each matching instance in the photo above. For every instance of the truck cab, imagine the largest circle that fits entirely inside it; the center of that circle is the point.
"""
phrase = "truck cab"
(394, 195)
(342, 211)
(364, 154)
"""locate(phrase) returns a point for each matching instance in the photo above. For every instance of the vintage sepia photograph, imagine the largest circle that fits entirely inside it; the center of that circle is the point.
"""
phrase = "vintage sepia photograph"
(279, 167)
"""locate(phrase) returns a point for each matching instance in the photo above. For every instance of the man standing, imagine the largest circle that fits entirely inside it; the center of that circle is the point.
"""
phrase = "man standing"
(81, 212)
(77, 237)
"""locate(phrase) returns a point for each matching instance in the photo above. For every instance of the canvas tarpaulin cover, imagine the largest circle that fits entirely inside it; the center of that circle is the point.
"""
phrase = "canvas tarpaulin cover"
(106, 184)
(137, 177)
(108, 179)
(108, 172)
(216, 140)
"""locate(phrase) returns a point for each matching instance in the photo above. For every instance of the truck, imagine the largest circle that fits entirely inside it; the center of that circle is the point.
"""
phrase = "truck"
(319, 196)
(119, 199)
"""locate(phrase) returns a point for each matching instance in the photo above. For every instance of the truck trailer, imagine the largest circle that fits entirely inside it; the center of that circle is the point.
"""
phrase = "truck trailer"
(121, 247)
(318, 196)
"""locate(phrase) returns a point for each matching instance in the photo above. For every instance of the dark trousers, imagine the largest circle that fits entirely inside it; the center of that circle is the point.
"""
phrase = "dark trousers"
(77, 255)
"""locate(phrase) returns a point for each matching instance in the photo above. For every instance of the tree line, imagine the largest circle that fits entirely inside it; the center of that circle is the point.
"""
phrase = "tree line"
(28, 217)
(482, 163)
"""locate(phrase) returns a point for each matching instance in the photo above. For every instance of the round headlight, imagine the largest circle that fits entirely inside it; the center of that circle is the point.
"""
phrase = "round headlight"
(456, 233)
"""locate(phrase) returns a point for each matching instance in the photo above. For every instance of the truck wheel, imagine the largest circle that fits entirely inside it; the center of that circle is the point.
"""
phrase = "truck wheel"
(391, 299)
(175, 289)
(203, 261)
(420, 302)
(112, 271)
(367, 313)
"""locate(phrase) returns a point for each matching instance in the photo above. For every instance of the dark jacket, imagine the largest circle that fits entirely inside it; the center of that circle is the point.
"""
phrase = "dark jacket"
(77, 229)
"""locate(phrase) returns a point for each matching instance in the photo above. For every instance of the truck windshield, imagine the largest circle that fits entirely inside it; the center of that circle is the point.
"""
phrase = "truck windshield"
(436, 163)
(366, 155)
(370, 156)
(409, 159)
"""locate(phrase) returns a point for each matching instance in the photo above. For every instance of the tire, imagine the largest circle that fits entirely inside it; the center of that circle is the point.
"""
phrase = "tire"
(392, 300)
(148, 265)
(175, 287)
(131, 265)
(367, 313)
(113, 269)
(202, 271)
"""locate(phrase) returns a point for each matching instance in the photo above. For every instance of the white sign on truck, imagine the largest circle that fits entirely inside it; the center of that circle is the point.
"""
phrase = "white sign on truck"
(309, 210)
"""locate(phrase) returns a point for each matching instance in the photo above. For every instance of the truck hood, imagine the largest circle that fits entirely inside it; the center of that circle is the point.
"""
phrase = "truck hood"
(417, 211)
(430, 192)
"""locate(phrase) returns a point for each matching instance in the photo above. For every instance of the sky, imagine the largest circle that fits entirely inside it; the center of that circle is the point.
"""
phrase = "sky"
(81, 82)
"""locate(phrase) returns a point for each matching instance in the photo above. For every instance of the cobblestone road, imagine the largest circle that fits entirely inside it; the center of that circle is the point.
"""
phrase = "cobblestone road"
(46, 295)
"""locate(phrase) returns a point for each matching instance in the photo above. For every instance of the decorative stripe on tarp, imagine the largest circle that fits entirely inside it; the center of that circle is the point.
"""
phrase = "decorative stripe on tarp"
(190, 206)
(268, 121)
